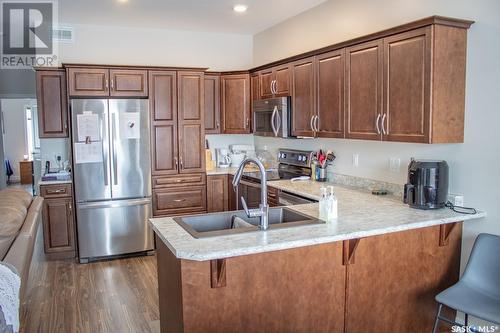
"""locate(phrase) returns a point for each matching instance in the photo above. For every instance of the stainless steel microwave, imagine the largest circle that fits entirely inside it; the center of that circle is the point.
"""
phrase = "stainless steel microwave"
(272, 117)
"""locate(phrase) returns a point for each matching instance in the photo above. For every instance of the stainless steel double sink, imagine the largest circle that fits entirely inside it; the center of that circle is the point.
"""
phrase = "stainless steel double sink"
(219, 224)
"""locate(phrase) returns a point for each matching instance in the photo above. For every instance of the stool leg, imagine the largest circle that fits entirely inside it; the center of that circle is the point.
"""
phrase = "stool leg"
(466, 319)
(437, 318)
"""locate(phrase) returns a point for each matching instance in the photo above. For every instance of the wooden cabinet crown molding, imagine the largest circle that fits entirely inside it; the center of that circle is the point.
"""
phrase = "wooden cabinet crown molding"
(431, 20)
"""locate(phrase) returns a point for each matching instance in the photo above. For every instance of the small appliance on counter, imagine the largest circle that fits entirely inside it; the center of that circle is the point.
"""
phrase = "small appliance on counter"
(239, 153)
(427, 186)
(222, 158)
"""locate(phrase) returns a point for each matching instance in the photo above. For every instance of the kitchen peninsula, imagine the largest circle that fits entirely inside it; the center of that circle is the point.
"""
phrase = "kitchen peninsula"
(353, 275)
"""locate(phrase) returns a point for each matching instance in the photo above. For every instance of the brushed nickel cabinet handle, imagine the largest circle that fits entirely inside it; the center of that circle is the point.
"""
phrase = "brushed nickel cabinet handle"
(61, 190)
(311, 123)
(383, 123)
(112, 84)
(377, 123)
(176, 163)
(179, 200)
(316, 123)
(106, 83)
(182, 164)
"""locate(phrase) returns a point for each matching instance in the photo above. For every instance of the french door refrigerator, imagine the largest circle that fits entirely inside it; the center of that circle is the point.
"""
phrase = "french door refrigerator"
(112, 175)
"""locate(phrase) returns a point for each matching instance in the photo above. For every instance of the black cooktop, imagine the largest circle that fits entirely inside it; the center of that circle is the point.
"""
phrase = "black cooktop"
(283, 172)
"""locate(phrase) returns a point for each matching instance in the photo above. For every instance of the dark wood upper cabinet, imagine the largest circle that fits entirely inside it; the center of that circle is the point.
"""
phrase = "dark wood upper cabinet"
(191, 121)
(303, 97)
(235, 103)
(128, 83)
(330, 94)
(88, 82)
(255, 86)
(275, 82)
(212, 103)
(363, 84)
(282, 80)
(266, 80)
(163, 111)
(407, 61)
(52, 103)
(103, 82)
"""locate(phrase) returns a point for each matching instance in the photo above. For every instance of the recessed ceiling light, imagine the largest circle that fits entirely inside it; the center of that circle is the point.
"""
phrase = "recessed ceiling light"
(122, 1)
(240, 8)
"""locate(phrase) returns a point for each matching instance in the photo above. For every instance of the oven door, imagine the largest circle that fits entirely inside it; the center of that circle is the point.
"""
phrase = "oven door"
(289, 199)
(251, 192)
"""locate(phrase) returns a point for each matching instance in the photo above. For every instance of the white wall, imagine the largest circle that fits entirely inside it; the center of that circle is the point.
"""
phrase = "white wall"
(14, 138)
(474, 165)
(157, 47)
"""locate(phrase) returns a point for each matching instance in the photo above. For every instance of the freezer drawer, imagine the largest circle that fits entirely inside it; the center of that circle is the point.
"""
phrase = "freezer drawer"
(109, 228)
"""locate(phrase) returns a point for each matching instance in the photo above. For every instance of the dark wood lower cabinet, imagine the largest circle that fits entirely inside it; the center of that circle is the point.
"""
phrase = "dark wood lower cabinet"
(217, 193)
(181, 194)
(384, 283)
(59, 232)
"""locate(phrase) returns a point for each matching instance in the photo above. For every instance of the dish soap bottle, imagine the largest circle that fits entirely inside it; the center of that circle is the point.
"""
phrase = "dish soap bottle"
(323, 211)
(332, 207)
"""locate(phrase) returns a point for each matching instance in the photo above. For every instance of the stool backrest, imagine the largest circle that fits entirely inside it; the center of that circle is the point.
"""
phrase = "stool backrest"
(483, 269)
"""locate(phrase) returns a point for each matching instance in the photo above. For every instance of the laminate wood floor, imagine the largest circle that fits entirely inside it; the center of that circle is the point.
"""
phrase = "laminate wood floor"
(109, 296)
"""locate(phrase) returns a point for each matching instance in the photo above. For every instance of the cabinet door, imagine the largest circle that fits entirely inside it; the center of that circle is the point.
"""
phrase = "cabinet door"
(330, 94)
(232, 203)
(88, 82)
(235, 99)
(363, 79)
(163, 110)
(406, 271)
(217, 193)
(58, 225)
(191, 122)
(265, 81)
(212, 104)
(179, 200)
(282, 77)
(128, 83)
(407, 61)
(255, 86)
(52, 104)
(303, 97)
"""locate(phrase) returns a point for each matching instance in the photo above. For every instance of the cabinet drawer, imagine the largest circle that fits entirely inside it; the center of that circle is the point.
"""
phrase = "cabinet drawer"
(56, 191)
(179, 180)
(182, 200)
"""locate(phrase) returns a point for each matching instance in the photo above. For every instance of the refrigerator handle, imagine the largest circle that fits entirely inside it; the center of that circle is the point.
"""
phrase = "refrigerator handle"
(105, 150)
(113, 137)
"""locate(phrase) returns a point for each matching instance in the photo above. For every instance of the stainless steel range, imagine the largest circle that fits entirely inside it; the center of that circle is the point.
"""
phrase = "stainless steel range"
(292, 164)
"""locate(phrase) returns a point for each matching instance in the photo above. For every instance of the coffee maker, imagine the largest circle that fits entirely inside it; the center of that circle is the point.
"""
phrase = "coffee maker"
(427, 186)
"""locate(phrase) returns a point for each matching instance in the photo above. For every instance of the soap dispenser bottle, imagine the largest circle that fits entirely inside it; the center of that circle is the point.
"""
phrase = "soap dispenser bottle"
(323, 202)
(332, 207)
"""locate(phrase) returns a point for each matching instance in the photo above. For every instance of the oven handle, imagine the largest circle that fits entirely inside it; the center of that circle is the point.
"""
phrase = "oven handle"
(251, 184)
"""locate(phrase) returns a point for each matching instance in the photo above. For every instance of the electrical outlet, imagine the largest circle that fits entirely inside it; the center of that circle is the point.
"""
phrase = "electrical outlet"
(456, 199)
(355, 160)
(394, 164)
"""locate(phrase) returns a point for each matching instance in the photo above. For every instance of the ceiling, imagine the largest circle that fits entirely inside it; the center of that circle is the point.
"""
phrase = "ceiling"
(194, 15)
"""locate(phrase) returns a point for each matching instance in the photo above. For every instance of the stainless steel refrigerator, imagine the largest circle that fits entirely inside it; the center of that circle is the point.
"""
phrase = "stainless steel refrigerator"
(112, 176)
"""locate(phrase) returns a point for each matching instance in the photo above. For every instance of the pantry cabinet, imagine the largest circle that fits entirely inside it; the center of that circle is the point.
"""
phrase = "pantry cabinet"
(177, 142)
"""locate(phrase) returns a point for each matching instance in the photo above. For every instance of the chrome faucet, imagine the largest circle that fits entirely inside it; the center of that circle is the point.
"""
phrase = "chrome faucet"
(263, 210)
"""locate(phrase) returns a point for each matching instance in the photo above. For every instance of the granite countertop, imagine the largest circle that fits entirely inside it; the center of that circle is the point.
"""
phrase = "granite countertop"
(54, 182)
(361, 214)
(222, 171)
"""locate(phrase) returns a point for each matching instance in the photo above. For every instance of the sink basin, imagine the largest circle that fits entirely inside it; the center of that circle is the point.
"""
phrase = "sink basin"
(219, 224)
